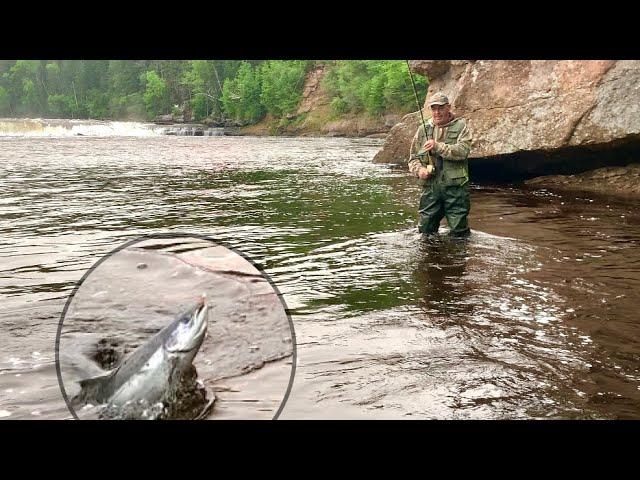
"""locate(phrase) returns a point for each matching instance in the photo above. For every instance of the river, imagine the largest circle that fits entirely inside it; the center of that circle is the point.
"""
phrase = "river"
(534, 316)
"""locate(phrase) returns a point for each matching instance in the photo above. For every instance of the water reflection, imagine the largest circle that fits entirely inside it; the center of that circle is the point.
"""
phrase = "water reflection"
(439, 274)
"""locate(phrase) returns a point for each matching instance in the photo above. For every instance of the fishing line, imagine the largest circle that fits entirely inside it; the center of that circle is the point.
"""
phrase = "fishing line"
(415, 93)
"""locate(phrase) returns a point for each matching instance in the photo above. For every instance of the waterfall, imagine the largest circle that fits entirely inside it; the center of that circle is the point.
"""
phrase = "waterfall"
(38, 127)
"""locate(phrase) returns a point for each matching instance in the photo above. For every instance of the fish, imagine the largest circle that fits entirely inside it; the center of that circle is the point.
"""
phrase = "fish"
(158, 379)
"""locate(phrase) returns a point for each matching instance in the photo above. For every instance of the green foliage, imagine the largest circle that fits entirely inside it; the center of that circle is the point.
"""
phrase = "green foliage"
(124, 77)
(201, 106)
(156, 94)
(282, 83)
(243, 91)
(127, 106)
(60, 105)
(30, 98)
(202, 82)
(374, 87)
(339, 106)
(97, 104)
(5, 102)
(241, 95)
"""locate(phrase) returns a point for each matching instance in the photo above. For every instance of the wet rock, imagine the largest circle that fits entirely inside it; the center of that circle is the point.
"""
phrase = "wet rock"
(164, 120)
(195, 130)
(616, 180)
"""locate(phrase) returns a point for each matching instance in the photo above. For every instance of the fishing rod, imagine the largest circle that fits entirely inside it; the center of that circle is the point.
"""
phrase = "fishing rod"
(415, 93)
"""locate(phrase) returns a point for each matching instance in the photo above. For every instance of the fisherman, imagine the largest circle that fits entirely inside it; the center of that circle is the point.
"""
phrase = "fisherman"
(439, 160)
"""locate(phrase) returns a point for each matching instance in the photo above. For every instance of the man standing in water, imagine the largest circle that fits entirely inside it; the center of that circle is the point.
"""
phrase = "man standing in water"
(439, 160)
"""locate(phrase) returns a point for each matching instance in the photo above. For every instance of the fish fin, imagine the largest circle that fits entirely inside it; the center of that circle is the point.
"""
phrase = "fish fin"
(91, 388)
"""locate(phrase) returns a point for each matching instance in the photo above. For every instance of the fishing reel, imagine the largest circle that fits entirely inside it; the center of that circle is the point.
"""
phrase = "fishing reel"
(431, 168)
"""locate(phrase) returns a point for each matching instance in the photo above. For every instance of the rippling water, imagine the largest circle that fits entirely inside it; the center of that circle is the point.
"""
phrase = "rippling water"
(534, 316)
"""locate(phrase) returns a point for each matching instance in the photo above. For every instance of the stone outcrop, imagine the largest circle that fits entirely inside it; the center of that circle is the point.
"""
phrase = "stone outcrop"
(192, 130)
(527, 106)
(610, 180)
(312, 94)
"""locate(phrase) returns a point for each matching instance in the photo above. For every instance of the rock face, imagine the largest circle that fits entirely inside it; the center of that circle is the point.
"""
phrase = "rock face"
(312, 94)
(531, 106)
(616, 180)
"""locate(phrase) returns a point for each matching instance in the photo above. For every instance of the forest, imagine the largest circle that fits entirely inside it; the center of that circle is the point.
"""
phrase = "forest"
(219, 91)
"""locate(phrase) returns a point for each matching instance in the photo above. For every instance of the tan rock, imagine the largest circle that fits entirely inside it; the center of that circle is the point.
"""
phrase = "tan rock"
(531, 105)
(312, 95)
(609, 180)
(396, 147)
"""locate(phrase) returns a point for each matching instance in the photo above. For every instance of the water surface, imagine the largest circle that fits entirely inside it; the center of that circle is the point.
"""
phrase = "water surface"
(534, 316)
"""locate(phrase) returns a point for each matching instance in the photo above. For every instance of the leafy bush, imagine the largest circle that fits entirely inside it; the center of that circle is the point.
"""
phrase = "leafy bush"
(339, 106)
(61, 106)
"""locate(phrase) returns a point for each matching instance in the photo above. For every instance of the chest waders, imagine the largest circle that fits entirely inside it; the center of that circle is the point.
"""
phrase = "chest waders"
(446, 193)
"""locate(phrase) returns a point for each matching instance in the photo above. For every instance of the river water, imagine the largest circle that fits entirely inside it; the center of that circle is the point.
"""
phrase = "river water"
(534, 316)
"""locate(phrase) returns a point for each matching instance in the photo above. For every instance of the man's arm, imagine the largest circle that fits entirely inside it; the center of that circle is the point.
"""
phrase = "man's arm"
(414, 162)
(459, 150)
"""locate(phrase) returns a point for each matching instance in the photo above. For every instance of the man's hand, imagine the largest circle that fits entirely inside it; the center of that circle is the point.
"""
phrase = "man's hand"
(424, 173)
(429, 144)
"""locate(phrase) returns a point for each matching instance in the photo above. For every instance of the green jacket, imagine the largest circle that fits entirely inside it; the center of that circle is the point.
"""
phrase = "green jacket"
(453, 144)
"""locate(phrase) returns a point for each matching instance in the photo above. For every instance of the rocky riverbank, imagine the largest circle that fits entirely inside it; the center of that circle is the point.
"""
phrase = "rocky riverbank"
(624, 181)
(194, 130)
(313, 117)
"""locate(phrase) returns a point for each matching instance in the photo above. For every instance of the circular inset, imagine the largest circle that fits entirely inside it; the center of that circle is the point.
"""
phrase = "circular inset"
(175, 326)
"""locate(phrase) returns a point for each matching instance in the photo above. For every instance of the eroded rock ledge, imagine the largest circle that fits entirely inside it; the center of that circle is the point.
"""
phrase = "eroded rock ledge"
(624, 181)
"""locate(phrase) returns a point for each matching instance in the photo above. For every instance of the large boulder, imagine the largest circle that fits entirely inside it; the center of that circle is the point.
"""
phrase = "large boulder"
(396, 146)
(531, 105)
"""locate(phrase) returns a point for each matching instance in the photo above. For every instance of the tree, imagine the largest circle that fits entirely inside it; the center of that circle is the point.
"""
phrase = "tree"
(5, 102)
(62, 106)
(282, 83)
(201, 82)
(241, 95)
(156, 95)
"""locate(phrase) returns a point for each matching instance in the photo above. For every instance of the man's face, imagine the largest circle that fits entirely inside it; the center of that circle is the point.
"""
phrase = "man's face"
(440, 113)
